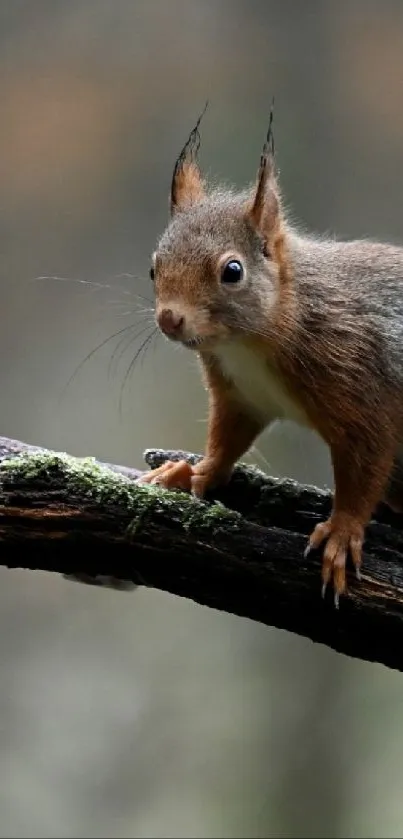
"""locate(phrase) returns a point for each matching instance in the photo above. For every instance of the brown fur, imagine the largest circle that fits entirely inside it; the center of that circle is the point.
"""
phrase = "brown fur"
(231, 429)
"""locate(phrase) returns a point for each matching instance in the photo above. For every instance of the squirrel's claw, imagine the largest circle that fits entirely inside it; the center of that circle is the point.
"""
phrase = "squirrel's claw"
(336, 595)
(344, 536)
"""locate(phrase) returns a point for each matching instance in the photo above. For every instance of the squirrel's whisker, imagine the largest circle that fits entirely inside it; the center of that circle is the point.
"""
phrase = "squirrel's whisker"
(143, 346)
(123, 345)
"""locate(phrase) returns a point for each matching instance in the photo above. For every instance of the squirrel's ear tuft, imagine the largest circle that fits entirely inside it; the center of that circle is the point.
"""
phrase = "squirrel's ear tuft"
(264, 211)
(187, 184)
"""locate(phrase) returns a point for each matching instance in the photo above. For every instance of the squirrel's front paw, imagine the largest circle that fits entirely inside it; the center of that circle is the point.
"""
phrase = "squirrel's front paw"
(344, 535)
(208, 475)
(182, 475)
(171, 475)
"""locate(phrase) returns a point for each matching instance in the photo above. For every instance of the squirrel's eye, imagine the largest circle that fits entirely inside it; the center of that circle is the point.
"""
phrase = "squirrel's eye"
(152, 274)
(232, 272)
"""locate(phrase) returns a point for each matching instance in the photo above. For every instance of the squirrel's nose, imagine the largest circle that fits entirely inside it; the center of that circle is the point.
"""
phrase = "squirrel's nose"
(170, 322)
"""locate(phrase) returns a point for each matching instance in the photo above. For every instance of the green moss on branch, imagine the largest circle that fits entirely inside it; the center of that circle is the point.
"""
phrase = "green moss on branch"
(87, 480)
(243, 553)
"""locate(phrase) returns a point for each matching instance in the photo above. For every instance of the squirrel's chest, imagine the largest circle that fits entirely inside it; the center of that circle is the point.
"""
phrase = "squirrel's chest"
(258, 385)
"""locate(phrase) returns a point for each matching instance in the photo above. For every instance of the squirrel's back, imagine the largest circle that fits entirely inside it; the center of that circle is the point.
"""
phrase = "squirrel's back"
(352, 291)
(368, 273)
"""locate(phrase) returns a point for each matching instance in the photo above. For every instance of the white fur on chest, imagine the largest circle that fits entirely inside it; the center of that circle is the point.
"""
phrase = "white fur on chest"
(257, 384)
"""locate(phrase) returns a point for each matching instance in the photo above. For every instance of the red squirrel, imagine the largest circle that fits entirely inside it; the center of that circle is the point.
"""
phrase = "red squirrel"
(285, 325)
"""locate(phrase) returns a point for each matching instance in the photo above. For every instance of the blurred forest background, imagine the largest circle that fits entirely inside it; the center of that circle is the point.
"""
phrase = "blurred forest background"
(145, 715)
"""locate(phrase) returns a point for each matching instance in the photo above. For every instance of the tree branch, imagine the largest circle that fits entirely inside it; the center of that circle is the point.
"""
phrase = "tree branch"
(241, 552)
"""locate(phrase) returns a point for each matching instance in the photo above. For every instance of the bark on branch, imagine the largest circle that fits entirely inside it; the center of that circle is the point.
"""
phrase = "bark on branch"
(241, 552)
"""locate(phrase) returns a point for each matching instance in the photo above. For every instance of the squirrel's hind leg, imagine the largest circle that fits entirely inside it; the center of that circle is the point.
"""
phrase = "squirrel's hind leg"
(394, 492)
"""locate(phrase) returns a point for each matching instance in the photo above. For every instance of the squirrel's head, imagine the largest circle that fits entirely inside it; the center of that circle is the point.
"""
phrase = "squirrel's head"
(217, 269)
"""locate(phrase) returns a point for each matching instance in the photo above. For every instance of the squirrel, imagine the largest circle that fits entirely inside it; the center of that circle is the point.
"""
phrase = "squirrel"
(286, 326)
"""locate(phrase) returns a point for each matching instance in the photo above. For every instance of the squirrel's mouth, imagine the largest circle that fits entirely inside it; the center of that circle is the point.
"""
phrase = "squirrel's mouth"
(193, 343)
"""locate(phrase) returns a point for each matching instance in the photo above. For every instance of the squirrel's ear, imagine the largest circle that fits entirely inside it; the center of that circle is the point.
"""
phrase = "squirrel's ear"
(264, 211)
(187, 184)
